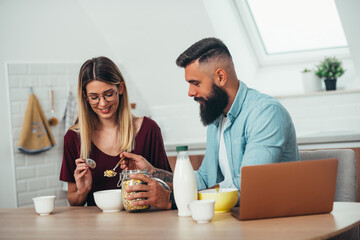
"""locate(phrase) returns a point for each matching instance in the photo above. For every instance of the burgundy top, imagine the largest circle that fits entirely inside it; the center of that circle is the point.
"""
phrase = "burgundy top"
(148, 143)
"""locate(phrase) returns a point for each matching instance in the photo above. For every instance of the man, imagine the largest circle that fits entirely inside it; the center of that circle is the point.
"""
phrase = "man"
(245, 127)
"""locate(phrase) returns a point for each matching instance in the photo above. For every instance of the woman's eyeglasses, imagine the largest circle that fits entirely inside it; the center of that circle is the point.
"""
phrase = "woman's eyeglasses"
(108, 97)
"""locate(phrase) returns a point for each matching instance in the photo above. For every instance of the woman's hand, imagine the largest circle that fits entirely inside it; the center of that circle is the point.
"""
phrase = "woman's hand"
(82, 175)
(133, 161)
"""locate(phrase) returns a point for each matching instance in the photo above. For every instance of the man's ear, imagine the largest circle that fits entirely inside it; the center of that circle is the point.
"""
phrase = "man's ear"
(121, 88)
(221, 76)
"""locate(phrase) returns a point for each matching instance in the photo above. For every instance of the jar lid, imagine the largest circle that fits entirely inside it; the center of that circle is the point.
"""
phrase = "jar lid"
(126, 173)
(181, 148)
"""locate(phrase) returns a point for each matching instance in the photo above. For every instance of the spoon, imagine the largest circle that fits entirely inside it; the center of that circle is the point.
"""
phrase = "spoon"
(91, 163)
(53, 121)
(112, 173)
(217, 187)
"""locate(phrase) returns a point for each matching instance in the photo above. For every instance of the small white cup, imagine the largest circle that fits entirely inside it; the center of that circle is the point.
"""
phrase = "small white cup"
(202, 211)
(44, 205)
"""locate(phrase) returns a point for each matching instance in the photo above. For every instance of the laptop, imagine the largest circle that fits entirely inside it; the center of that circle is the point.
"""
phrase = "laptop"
(287, 189)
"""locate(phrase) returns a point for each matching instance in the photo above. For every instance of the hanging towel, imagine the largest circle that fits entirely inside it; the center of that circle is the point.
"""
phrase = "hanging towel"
(36, 135)
(70, 113)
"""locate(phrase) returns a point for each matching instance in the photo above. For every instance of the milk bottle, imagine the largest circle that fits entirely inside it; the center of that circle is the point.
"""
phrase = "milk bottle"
(184, 181)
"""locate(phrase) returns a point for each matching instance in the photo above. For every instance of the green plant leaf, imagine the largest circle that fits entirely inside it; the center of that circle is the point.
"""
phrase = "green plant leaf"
(330, 67)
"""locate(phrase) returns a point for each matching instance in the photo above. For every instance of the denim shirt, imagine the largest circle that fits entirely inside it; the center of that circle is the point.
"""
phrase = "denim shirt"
(259, 131)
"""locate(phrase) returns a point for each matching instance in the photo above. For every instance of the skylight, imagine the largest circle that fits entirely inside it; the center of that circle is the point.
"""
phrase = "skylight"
(298, 25)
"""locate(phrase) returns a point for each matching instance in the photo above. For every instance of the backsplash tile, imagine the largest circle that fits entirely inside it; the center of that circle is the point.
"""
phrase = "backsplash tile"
(45, 167)
(38, 174)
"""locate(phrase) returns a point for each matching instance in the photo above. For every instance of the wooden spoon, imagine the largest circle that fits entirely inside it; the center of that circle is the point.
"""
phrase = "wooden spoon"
(53, 121)
(217, 186)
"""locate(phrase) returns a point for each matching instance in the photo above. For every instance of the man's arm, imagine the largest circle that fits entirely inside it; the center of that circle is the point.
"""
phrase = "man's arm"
(163, 175)
(201, 176)
(267, 134)
(207, 164)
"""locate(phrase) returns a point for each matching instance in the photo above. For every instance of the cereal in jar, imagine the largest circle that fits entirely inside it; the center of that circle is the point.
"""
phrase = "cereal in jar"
(127, 182)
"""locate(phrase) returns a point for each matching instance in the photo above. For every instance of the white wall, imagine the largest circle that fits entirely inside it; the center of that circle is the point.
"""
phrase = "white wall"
(229, 27)
(38, 174)
(34, 31)
(331, 112)
(349, 15)
(145, 37)
(149, 36)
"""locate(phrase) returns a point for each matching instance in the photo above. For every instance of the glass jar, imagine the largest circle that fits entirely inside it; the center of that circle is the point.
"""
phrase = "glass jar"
(126, 182)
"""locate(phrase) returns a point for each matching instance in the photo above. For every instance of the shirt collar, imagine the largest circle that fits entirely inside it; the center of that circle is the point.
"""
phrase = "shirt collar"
(236, 107)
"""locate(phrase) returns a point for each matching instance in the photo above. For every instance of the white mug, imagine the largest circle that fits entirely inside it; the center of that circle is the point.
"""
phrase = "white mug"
(202, 211)
(44, 205)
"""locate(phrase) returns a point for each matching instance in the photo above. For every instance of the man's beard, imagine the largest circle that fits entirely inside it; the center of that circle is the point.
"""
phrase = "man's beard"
(214, 106)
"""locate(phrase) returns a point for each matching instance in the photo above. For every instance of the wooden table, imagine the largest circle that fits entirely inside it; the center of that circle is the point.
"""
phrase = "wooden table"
(91, 223)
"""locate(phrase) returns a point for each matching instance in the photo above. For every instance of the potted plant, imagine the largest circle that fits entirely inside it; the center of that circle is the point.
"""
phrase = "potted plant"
(311, 81)
(330, 69)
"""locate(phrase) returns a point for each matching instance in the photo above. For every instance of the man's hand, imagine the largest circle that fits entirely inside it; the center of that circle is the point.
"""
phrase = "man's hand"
(133, 161)
(153, 193)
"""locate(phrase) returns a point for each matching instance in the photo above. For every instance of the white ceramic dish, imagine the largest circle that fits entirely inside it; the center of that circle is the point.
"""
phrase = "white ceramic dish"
(109, 200)
(44, 205)
(202, 211)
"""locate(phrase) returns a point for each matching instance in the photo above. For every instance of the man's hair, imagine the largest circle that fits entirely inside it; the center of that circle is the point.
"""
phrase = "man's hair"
(204, 50)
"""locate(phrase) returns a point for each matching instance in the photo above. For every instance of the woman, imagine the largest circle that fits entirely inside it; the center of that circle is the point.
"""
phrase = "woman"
(104, 129)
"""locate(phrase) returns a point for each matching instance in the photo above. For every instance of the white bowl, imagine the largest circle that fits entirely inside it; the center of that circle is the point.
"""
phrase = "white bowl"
(44, 205)
(202, 211)
(109, 200)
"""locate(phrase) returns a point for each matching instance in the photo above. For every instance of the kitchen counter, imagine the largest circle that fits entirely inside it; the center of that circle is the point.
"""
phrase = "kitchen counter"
(195, 148)
(316, 140)
(329, 137)
(334, 139)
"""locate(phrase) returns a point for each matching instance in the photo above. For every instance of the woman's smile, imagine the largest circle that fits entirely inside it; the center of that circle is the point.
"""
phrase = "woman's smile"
(105, 110)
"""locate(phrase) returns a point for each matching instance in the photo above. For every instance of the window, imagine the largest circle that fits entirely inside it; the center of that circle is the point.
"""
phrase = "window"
(297, 27)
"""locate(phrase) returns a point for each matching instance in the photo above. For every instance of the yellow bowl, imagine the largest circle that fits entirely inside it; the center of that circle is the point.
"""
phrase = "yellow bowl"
(225, 199)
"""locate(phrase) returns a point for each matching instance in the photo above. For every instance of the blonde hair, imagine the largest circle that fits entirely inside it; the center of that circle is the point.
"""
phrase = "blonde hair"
(102, 69)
